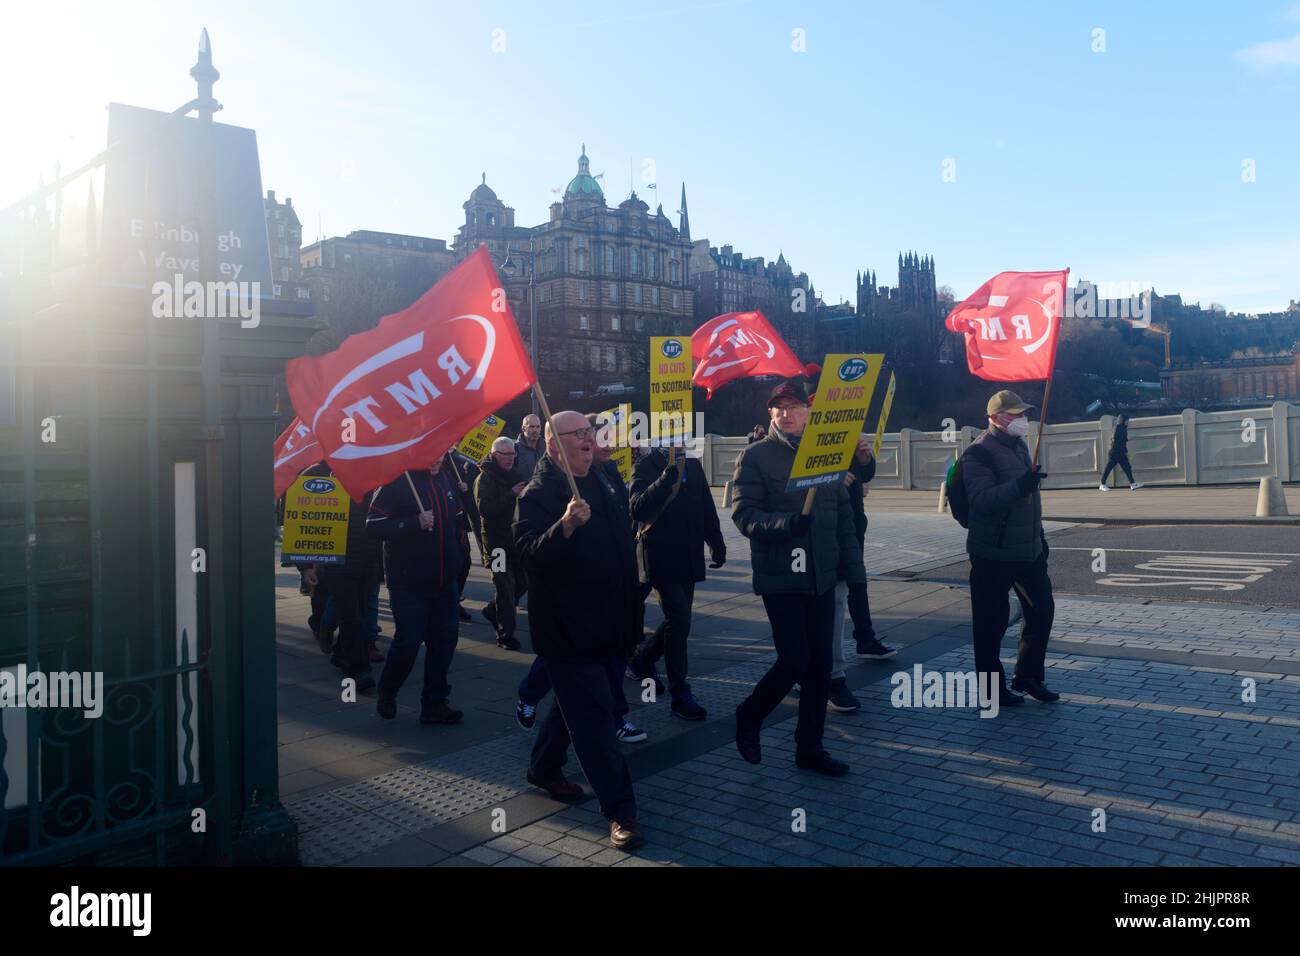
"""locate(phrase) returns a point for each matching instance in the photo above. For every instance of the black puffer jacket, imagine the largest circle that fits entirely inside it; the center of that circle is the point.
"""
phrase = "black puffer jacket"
(672, 552)
(1004, 525)
(581, 590)
(763, 511)
(496, 506)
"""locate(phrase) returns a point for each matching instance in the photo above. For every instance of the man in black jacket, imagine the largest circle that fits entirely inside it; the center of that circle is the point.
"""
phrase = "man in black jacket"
(1119, 455)
(797, 559)
(581, 567)
(1007, 548)
(415, 515)
(676, 517)
(496, 491)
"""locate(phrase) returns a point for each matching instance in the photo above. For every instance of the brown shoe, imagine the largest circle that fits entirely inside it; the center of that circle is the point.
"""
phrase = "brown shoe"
(558, 787)
(626, 835)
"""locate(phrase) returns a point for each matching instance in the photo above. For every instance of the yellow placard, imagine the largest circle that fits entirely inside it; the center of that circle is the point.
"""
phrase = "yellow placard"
(316, 521)
(478, 442)
(617, 418)
(884, 417)
(836, 419)
(671, 413)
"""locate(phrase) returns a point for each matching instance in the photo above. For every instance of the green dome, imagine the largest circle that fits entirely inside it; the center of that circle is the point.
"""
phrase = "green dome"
(584, 185)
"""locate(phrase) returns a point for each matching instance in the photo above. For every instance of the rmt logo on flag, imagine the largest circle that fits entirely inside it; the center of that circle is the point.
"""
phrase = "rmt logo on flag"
(1012, 324)
(398, 396)
(738, 345)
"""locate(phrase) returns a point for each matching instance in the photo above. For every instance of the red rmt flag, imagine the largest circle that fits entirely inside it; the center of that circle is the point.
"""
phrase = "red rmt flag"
(1012, 324)
(296, 450)
(401, 394)
(739, 345)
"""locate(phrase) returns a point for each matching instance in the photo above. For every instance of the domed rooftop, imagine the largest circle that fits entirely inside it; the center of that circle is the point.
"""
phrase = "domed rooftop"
(584, 185)
(483, 191)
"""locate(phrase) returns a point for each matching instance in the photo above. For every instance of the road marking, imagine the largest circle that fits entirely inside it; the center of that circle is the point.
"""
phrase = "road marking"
(1197, 570)
(1279, 554)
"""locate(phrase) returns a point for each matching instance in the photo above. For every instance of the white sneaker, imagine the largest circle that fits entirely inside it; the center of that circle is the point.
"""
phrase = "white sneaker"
(1103, 487)
(1135, 486)
(629, 733)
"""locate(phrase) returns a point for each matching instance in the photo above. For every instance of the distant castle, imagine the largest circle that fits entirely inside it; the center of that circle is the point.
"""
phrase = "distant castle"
(916, 290)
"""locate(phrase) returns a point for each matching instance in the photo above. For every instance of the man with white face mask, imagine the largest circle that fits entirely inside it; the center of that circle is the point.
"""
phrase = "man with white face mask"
(1007, 548)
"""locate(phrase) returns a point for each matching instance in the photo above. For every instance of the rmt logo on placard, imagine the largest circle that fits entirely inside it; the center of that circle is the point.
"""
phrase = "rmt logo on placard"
(852, 369)
(671, 349)
(318, 486)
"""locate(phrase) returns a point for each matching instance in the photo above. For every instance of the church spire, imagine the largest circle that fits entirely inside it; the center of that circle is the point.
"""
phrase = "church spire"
(684, 223)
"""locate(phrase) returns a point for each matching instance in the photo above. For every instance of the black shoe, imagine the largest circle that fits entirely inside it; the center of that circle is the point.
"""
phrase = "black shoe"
(490, 614)
(441, 713)
(1008, 699)
(841, 699)
(508, 643)
(365, 684)
(558, 787)
(525, 715)
(687, 707)
(338, 662)
(870, 649)
(1035, 688)
(386, 706)
(822, 762)
(747, 738)
(464, 614)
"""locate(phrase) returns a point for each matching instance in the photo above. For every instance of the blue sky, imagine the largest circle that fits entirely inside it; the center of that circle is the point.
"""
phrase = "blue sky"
(1124, 165)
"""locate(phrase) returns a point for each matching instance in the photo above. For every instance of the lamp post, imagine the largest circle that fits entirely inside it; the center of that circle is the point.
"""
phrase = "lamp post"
(531, 259)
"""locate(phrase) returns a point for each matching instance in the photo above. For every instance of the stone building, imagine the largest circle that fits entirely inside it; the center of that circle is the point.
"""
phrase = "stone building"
(1237, 381)
(284, 238)
(606, 279)
(726, 281)
(387, 270)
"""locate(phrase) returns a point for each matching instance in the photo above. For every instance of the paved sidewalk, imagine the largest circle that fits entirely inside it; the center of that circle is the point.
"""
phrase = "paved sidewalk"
(1152, 728)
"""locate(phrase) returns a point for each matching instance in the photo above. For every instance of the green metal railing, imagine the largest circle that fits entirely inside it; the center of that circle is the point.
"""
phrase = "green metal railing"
(86, 581)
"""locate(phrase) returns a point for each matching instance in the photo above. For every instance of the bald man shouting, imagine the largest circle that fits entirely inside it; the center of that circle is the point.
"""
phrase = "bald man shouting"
(581, 565)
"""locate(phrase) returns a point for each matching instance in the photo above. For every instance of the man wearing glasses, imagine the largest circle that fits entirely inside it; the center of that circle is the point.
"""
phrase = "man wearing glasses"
(580, 560)
(797, 559)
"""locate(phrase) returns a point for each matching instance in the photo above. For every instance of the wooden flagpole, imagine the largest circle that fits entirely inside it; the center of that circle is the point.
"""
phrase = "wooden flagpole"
(1042, 419)
(546, 410)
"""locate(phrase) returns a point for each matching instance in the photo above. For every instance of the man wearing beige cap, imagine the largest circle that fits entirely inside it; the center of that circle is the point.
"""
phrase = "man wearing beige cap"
(1007, 548)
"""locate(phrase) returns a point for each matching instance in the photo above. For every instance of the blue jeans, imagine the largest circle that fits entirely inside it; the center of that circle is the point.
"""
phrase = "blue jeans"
(537, 684)
(369, 615)
(422, 615)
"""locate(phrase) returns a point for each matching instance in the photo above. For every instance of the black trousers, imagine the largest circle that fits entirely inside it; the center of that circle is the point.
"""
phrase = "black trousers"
(990, 582)
(509, 588)
(583, 713)
(351, 593)
(320, 596)
(669, 639)
(1121, 460)
(801, 630)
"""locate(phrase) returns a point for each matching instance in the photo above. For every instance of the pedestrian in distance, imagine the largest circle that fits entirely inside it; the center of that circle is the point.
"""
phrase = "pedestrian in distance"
(1119, 455)
(496, 492)
(529, 447)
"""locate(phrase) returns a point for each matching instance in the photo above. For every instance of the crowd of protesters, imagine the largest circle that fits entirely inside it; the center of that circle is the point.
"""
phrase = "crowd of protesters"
(557, 526)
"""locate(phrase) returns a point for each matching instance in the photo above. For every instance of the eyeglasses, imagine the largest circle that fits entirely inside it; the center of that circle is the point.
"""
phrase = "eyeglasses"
(582, 433)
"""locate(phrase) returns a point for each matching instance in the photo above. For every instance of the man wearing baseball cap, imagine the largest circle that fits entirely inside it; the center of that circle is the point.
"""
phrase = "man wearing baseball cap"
(1007, 548)
(796, 560)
